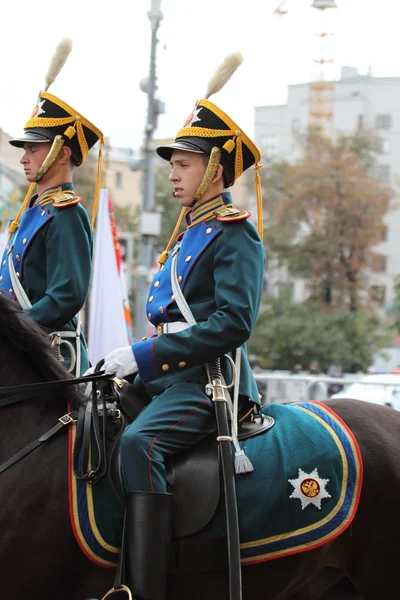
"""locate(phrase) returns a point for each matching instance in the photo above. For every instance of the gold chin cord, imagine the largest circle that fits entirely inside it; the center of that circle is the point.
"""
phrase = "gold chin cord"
(210, 173)
(55, 150)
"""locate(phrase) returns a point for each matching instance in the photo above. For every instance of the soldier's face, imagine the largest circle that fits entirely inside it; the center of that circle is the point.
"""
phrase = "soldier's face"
(33, 157)
(187, 170)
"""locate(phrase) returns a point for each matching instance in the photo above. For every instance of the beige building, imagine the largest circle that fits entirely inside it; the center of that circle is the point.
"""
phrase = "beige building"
(11, 178)
(123, 183)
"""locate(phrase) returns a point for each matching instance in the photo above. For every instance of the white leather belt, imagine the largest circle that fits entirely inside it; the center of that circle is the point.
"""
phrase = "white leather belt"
(174, 327)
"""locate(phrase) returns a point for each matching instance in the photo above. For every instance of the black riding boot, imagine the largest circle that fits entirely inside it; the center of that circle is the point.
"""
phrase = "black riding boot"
(147, 544)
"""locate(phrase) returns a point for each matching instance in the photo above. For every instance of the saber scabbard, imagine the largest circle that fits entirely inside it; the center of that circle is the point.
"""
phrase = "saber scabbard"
(225, 451)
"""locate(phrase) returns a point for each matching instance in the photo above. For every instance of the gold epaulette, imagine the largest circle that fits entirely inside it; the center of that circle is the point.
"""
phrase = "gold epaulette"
(65, 199)
(230, 213)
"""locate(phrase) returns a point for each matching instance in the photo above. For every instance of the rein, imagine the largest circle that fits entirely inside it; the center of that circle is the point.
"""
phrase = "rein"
(17, 393)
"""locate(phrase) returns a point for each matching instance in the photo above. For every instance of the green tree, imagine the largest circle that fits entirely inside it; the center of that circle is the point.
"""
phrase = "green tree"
(324, 215)
(287, 333)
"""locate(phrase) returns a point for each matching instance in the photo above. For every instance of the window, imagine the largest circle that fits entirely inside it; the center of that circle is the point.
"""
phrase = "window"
(383, 121)
(384, 146)
(383, 173)
(296, 125)
(269, 144)
(118, 179)
(378, 293)
(378, 263)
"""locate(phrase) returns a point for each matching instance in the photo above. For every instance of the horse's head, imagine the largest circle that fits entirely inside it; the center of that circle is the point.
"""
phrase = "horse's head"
(26, 354)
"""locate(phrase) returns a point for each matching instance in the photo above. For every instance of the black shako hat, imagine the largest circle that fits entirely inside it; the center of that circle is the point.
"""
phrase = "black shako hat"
(51, 117)
(208, 127)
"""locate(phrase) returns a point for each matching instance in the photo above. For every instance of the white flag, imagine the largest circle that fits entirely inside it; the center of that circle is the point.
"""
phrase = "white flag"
(107, 323)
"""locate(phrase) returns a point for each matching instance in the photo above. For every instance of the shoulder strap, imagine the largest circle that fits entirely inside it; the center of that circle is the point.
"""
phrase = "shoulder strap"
(17, 285)
(178, 294)
(189, 318)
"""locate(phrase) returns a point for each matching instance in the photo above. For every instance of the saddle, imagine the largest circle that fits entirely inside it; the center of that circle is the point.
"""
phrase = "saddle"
(192, 474)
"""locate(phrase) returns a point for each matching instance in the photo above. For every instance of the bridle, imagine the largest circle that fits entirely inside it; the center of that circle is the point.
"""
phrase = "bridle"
(18, 393)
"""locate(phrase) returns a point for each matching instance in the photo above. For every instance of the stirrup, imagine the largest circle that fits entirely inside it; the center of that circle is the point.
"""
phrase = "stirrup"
(123, 589)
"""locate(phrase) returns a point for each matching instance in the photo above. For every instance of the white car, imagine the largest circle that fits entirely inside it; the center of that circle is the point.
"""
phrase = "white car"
(381, 389)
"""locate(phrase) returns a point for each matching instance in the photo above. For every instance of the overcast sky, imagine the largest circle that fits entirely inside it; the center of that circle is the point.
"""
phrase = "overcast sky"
(111, 46)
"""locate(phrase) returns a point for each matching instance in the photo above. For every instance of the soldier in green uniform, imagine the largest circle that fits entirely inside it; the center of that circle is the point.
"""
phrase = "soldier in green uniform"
(218, 264)
(47, 263)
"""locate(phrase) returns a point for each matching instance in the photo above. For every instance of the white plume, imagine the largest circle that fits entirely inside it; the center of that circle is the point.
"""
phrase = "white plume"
(224, 73)
(58, 61)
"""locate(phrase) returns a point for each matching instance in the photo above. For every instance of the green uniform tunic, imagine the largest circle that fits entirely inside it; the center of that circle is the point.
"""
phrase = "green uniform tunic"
(52, 256)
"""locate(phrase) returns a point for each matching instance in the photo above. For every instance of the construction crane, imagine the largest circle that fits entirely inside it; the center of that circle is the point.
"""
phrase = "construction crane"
(321, 96)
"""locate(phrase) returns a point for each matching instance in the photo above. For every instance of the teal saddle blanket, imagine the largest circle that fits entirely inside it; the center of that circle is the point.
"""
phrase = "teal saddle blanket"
(303, 492)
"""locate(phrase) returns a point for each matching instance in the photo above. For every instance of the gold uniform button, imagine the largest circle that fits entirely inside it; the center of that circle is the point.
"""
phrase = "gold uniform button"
(149, 316)
(180, 278)
(18, 258)
(42, 213)
(172, 297)
(188, 259)
(161, 267)
(144, 338)
(3, 263)
(182, 364)
(151, 299)
(161, 310)
(208, 230)
(165, 367)
(10, 292)
(157, 283)
(24, 241)
(1, 277)
(17, 274)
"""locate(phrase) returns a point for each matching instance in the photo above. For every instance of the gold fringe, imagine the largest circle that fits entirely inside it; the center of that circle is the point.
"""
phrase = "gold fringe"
(260, 216)
(164, 255)
(98, 185)
(15, 224)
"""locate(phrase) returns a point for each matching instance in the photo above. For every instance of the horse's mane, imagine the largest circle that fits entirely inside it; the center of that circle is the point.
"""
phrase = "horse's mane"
(20, 332)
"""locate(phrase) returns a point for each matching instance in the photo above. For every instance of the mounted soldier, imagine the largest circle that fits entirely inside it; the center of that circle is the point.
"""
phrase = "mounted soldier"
(47, 263)
(204, 303)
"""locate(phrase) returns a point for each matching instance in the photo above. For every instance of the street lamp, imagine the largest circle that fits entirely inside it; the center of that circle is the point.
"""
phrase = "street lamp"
(149, 225)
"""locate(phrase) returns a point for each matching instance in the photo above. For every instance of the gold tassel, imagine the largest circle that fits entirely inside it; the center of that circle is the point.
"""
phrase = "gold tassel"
(260, 217)
(98, 185)
(164, 255)
(15, 224)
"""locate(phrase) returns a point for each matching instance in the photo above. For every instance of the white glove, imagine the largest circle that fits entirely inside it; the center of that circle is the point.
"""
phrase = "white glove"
(121, 362)
(89, 371)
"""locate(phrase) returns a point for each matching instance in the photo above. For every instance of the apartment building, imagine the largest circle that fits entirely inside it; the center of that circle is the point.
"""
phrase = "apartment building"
(372, 102)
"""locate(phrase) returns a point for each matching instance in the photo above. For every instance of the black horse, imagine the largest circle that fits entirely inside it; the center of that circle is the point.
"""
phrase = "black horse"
(40, 558)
